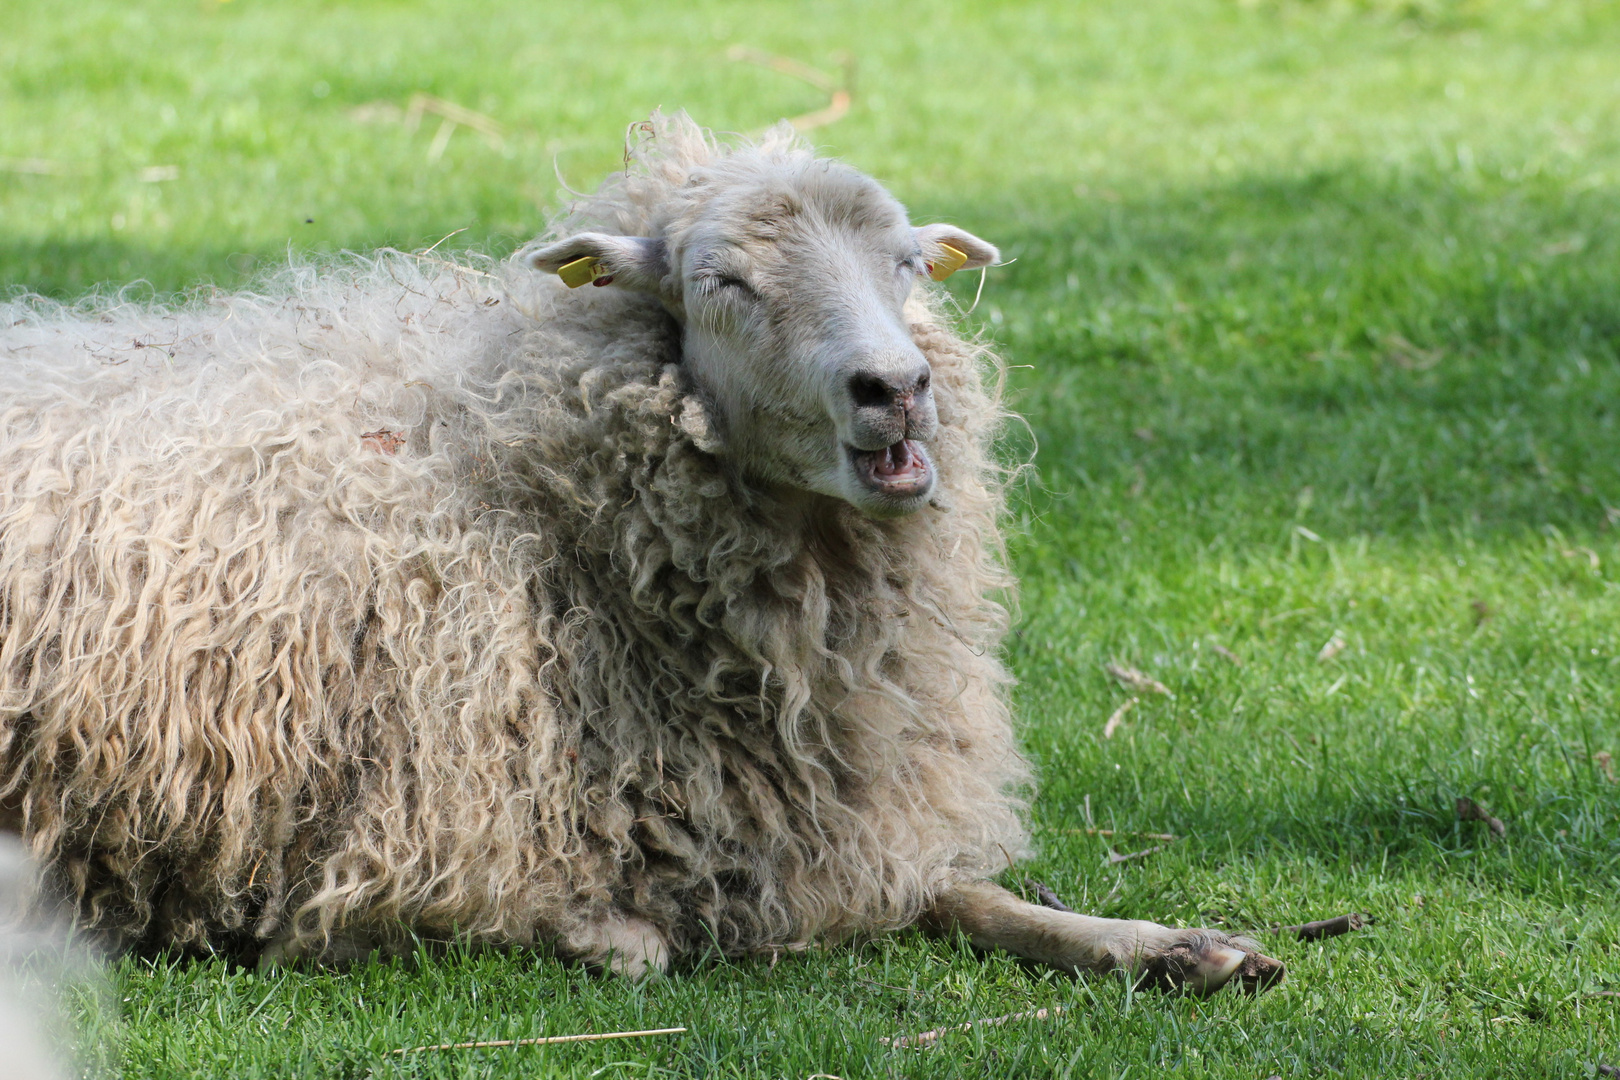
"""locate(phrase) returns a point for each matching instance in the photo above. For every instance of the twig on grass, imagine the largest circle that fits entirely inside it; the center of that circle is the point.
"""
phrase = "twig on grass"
(1342, 924)
(1132, 679)
(1469, 810)
(928, 1038)
(546, 1041)
(1119, 715)
(1046, 896)
(1607, 1070)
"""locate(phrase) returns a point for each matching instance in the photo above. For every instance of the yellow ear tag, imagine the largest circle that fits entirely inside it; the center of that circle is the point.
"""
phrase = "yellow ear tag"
(948, 262)
(581, 271)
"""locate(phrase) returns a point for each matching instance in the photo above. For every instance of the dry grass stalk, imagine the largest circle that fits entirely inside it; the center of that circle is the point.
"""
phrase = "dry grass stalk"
(1403, 354)
(546, 1041)
(1586, 553)
(451, 115)
(1114, 720)
(1325, 928)
(1291, 613)
(1469, 810)
(928, 1038)
(1226, 654)
(1334, 647)
(839, 97)
(1115, 857)
(895, 989)
(1166, 837)
(1132, 679)
(423, 256)
(33, 166)
(775, 951)
(1605, 761)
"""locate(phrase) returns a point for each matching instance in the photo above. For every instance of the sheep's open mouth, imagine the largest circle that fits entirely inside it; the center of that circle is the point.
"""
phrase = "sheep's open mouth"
(899, 470)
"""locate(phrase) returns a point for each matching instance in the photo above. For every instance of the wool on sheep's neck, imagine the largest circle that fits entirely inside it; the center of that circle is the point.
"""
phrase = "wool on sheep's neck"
(828, 651)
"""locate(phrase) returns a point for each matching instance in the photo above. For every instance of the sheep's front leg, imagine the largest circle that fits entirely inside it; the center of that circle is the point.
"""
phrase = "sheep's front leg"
(1201, 961)
(627, 946)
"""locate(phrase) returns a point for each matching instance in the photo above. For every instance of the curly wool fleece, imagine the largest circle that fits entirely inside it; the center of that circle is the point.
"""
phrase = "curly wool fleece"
(408, 597)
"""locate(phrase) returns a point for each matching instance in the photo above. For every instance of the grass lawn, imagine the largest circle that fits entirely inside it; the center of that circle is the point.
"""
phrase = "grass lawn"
(1316, 325)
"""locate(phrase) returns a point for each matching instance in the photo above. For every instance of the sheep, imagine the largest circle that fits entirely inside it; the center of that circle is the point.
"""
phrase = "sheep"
(415, 598)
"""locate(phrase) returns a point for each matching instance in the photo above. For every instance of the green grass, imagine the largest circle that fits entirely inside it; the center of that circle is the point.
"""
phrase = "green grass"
(1320, 307)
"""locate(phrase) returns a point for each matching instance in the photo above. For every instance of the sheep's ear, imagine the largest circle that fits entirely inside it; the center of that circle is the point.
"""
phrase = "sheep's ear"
(947, 249)
(631, 262)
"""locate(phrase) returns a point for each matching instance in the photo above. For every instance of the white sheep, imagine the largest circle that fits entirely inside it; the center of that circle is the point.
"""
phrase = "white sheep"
(412, 597)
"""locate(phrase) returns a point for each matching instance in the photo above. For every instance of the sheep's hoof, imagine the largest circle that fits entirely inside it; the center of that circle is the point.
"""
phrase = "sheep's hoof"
(1202, 961)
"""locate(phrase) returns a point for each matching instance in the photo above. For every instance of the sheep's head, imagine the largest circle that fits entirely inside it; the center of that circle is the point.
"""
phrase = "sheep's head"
(790, 284)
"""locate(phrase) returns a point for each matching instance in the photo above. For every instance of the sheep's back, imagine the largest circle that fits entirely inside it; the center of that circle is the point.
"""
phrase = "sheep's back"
(249, 612)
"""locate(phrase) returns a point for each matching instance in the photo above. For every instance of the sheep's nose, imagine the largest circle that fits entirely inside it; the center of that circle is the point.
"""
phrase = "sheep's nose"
(888, 391)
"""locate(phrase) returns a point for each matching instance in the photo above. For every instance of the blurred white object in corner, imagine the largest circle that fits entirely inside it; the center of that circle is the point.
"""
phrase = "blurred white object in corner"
(37, 962)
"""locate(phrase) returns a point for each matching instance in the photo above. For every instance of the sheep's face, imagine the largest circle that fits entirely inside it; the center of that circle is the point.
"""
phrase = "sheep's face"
(792, 292)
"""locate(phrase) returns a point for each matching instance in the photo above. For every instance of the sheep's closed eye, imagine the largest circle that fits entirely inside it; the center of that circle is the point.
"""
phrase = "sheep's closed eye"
(719, 283)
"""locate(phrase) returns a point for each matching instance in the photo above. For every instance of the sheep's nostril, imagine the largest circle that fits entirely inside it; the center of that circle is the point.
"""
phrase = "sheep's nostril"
(868, 391)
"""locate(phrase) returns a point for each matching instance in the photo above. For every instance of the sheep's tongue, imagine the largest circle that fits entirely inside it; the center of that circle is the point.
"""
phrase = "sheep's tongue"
(894, 461)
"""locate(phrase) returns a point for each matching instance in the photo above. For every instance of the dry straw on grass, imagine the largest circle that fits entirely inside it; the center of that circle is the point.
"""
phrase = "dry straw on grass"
(1132, 679)
(929, 1038)
(839, 95)
(546, 1041)
(1119, 715)
(1168, 838)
